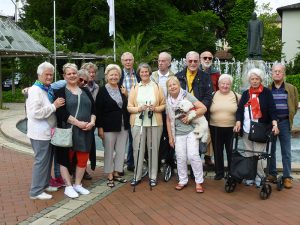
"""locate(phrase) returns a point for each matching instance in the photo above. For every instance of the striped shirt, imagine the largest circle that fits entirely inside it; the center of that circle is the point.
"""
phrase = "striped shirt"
(281, 101)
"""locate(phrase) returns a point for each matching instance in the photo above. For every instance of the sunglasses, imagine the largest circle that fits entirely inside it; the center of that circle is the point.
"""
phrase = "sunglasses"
(207, 58)
(193, 61)
(82, 80)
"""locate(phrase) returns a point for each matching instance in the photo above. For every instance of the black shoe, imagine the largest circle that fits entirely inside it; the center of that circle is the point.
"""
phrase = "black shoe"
(218, 177)
(153, 182)
(121, 173)
(208, 162)
(87, 176)
(135, 182)
(130, 168)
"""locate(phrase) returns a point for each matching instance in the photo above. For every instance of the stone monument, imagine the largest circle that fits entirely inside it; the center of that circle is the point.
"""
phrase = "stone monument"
(255, 36)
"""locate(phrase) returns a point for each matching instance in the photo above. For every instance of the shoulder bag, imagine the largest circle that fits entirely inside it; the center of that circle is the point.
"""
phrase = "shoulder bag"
(62, 137)
(259, 132)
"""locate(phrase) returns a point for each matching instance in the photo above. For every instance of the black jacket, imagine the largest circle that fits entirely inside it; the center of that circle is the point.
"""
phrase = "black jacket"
(109, 114)
(266, 103)
(201, 86)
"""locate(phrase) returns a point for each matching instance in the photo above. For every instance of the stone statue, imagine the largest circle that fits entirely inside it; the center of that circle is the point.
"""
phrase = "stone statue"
(255, 37)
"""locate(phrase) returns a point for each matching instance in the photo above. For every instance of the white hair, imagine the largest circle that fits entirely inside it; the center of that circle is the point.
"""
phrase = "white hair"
(225, 76)
(256, 71)
(44, 66)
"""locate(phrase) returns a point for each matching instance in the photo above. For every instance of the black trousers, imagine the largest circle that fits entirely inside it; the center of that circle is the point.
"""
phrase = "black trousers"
(221, 137)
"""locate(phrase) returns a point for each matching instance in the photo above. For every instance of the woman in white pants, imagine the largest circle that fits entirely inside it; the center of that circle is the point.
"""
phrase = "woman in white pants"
(182, 137)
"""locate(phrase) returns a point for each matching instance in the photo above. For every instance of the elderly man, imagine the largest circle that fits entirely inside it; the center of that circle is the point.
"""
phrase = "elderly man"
(195, 80)
(128, 79)
(160, 77)
(206, 59)
(286, 100)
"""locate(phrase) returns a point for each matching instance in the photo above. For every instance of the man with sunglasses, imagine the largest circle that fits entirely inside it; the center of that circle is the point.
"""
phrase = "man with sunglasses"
(206, 59)
(195, 80)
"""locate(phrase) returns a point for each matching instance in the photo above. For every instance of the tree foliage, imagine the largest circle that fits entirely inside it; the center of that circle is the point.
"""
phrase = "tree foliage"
(272, 45)
(237, 32)
(82, 25)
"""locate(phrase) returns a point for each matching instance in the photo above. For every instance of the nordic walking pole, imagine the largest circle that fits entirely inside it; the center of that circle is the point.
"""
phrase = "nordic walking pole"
(138, 155)
(150, 115)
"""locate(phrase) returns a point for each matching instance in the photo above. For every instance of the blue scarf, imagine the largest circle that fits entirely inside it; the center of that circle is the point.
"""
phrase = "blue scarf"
(48, 89)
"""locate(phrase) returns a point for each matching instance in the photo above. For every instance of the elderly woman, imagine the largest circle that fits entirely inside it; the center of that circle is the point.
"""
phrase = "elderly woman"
(113, 124)
(182, 137)
(222, 120)
(256, 104)
(41, 119)
(81, 100)
(146, 99)
(92, 70)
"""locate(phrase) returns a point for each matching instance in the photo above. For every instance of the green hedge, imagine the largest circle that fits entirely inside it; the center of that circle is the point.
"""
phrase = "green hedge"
(17, 97)
(294, 80)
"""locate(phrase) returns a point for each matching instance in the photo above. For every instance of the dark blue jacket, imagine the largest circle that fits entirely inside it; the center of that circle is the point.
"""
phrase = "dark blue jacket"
(266, 103)
(201, 86)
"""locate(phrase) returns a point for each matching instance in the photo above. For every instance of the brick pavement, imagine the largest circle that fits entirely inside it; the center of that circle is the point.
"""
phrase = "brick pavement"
(15, 173)
(164, 205)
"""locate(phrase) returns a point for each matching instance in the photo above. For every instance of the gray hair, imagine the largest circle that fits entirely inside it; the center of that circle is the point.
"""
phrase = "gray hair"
(44, 66)
(256, 71)
(70, 66)
(126, 53)
(168, 55)
(144, 65)
(112, 67)
(83, 73)
(279, 64)
(89, 65)
(191, 53)
(225, 76)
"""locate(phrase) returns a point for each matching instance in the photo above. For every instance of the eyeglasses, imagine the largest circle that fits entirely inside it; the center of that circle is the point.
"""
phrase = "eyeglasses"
(193, 61)
(82, 80)
(207, 58)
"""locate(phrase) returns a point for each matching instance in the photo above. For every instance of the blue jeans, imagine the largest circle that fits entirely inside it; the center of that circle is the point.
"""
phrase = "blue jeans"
(130, 160)
(285, 144)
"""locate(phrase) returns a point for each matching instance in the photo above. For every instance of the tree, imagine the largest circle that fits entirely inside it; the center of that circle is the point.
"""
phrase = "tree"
(272, 45)
(237, 31)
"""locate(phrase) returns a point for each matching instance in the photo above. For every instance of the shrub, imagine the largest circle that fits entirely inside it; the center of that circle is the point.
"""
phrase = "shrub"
(294, 80)
(17, 97)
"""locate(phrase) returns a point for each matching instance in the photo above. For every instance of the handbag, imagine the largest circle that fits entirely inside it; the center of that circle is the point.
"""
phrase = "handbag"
(242, 167)
(259, 132)
(63, 137)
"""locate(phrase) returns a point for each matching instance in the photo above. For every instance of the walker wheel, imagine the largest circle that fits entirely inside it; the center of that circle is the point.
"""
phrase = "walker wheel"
(265, 191)
(230, 185)
(167, 172)
(279, 183)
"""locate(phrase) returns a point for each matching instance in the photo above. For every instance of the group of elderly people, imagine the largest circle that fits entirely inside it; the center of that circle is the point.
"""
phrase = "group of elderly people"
(149, 108)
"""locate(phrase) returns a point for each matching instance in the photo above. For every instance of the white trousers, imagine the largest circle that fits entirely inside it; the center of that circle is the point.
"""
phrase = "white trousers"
(187, 149)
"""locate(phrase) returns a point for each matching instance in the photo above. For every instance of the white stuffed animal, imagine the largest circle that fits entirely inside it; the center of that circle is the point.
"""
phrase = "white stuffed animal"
(201, 124)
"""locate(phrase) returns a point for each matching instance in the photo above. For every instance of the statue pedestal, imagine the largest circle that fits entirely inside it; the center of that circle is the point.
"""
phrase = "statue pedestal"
(248, 64)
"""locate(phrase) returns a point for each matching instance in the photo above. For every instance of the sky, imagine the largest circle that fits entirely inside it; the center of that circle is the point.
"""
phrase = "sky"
(7, 7)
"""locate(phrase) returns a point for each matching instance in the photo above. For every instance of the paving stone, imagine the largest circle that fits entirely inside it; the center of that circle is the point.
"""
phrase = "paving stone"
(73, 204)
(43, 221)
(57, 213)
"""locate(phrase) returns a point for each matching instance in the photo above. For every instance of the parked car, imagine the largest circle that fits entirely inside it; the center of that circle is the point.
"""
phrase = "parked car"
(7, 84)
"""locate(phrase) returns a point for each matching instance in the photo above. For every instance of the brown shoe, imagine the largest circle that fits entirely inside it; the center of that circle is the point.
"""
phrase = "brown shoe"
(179, 187)
(288, 183)
(199, 188)
(272, 179)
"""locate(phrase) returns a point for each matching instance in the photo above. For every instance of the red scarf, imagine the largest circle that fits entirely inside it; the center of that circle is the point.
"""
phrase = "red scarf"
(253, 101)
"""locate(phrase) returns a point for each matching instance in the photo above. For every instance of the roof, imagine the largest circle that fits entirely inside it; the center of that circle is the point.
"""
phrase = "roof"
(16, 42)
(288, 8)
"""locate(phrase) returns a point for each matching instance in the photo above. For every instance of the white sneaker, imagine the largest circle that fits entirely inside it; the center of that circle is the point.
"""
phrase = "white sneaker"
(51, 189)
(43, 196)
(248, 182)
(80, 189)
(258, 182)
(70, 192)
